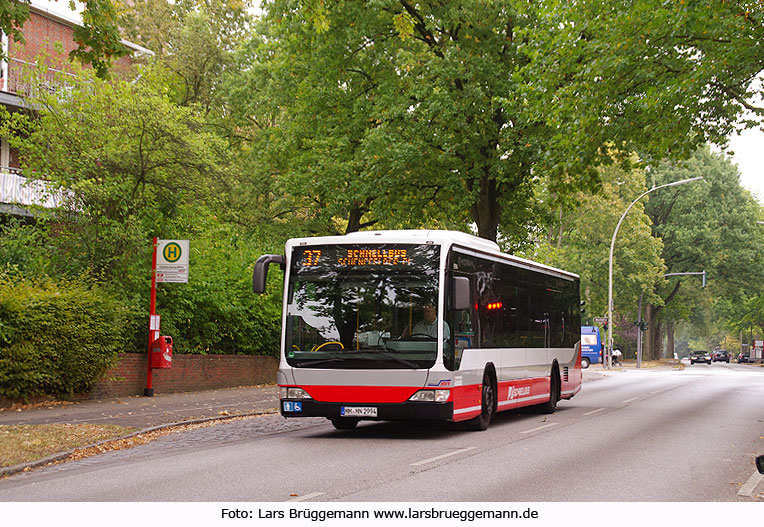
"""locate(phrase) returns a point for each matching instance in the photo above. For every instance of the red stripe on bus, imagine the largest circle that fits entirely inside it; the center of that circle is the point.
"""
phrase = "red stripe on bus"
(360, 394)
(511, 394)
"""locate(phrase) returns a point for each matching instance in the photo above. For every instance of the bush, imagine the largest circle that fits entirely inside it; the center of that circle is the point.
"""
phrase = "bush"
(56, 338)
(216, 311)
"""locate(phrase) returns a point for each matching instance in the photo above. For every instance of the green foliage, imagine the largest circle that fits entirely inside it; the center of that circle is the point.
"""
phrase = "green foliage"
(579, 240)
(12, 18)
(660, 77)
(98, 39)
(56, 338)
(24, 247)
(129, 163)
(395, 113)
(707, 225)
(194, 40)
(216, 311)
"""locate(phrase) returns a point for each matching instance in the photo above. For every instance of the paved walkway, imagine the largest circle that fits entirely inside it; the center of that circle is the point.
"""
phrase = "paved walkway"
(146, 412)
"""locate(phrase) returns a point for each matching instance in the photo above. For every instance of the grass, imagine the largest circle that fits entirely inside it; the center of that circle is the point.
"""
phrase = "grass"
(24, 443)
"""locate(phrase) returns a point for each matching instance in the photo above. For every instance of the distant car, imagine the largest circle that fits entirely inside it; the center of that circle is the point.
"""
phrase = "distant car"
(700, 356)
(721, 356)
(744, 357)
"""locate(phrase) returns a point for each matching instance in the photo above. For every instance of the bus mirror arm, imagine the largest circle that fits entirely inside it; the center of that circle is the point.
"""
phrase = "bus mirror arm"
(461, 289)
(260, 273)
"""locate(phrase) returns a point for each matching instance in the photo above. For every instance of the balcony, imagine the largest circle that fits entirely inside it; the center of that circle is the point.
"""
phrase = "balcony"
(20, 79)
(16, 194)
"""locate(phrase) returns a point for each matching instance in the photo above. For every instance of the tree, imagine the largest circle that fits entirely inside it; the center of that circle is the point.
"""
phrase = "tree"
(129, 163)
(98, 38)
(389, 109)
(657, 77)
(708, 225)
(193, 39)
(482, 102)
(578, 240)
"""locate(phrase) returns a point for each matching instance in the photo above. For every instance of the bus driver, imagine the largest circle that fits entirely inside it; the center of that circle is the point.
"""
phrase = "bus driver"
(428, 326)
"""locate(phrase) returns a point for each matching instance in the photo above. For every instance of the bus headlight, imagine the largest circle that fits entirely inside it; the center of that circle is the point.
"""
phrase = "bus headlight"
(433, 396)
(288, 392)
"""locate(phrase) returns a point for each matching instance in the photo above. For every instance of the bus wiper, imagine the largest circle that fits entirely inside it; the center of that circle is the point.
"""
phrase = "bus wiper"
(319, 361)
(397, 359)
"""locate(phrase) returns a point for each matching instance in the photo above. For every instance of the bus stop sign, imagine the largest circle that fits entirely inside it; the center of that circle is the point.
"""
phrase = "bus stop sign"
(172, 261)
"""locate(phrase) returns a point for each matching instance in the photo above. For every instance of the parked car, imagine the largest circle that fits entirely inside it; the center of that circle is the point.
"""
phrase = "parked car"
(700, 356)
(721, 356)
(744, 356)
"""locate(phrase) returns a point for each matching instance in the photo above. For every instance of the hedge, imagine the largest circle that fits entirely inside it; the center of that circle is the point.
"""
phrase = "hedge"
(56, 337)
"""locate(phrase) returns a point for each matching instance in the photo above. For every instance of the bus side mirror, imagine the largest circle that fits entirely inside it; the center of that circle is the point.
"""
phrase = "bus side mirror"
(461, 289)
(260, 273)
(760, 464)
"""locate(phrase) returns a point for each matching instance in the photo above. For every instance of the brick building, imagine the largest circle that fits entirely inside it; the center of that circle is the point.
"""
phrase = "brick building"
(48, 33)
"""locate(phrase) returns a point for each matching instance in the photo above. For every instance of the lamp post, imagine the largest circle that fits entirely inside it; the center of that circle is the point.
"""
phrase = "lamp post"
(610, 264)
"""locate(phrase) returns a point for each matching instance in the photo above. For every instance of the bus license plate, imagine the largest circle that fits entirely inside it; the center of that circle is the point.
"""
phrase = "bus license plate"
(358, 411)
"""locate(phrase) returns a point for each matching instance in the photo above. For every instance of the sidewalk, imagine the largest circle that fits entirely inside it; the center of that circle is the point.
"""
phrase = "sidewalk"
(147, 412)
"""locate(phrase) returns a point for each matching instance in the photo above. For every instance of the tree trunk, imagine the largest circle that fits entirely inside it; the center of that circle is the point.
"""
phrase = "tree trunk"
(653, 342)
(647, 346)
(670, 339)
(356, 215)
(354, 220)
(486, 212)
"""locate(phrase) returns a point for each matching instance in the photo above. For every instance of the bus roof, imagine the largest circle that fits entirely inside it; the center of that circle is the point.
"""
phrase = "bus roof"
(440, 237)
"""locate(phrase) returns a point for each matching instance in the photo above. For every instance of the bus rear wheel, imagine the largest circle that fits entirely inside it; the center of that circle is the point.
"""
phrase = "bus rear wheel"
(554, 393)
(487, 404)
(584, 362)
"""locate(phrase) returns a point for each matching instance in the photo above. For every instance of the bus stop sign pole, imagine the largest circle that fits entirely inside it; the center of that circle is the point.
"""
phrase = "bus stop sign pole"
(153, 321)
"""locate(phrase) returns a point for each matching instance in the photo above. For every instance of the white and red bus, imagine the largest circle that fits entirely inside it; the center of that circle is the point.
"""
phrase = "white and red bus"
(421, 325)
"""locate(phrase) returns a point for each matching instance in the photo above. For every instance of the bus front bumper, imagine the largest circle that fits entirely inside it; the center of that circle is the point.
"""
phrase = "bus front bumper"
(411, 411)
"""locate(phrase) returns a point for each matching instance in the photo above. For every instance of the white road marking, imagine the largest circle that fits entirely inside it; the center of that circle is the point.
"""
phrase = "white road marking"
(632, 399)
(595, 411)
(750, 485)
(308, 496)
(539, 428)
(442, 456)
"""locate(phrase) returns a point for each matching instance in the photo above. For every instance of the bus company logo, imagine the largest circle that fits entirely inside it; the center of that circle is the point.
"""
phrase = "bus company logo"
(515, 392)
(441, 383)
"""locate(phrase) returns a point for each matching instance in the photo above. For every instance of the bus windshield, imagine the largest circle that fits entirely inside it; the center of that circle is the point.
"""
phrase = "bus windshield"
(357, 306)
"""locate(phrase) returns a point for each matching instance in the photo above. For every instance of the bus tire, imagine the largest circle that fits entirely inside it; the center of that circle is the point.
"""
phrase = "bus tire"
(554, 392)
(584, 362)
(487, 403)
(344, 423)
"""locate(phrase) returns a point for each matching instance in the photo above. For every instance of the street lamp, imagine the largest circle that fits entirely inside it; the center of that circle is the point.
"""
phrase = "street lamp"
(610, 264)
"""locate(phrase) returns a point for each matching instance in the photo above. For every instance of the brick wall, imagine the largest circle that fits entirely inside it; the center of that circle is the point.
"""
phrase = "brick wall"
(41, 34)
(188, 373)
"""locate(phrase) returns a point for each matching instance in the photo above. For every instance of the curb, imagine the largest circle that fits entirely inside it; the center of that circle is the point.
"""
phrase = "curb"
(29, 465)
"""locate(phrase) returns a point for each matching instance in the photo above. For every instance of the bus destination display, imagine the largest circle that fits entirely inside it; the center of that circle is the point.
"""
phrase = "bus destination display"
(356, 257)
(333, 257)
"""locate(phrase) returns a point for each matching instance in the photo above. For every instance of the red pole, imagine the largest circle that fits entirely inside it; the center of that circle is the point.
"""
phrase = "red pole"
(153, 333)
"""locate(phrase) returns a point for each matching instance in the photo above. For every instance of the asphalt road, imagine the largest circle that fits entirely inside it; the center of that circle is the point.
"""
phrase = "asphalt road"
(638, 435)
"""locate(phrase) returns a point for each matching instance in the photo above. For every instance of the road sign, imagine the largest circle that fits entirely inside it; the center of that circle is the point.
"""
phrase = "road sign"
(600, 320)
(172, 261)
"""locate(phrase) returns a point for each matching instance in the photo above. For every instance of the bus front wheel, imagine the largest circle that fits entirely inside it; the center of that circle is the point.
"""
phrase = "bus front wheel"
(487, 404)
